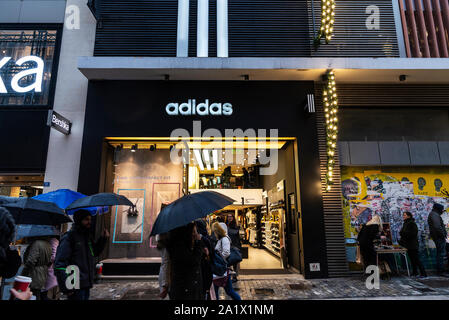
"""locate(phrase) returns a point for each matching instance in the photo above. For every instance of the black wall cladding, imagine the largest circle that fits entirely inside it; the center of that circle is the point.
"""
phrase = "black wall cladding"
(266, 28)
(137, 28)
(256, 28)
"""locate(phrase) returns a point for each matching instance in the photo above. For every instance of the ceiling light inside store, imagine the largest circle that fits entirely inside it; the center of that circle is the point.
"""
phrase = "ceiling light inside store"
(207, 159)
(198, 158)
(215, 159)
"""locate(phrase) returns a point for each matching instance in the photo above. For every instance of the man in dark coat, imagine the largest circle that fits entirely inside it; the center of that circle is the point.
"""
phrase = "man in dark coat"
(185, 253)
(438, 234)
(409, 240)
(206, 269)
(77, 247)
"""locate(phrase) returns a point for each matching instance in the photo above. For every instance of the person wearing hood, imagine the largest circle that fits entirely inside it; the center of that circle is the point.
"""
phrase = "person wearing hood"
(438, 234)
(223, 247)
(77, 247)
(37, 260)
(409, 240)
(366, 237)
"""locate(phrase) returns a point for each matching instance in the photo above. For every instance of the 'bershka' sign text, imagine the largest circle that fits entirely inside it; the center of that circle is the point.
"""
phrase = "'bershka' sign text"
(58, 122)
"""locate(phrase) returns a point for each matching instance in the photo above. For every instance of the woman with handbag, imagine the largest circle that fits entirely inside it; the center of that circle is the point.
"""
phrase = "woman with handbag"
(223, 248)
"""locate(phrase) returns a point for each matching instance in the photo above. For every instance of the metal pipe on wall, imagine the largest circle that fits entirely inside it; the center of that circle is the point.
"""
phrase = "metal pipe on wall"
(441, 32)
(432, 34)
(413, 28)
(422, 29)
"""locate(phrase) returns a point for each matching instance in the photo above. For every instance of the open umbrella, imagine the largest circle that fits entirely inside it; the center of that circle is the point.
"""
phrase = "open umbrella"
(64, 197)
(5, 199)
(189, 208)
(32, 211)
(35, 230)
(100, 200)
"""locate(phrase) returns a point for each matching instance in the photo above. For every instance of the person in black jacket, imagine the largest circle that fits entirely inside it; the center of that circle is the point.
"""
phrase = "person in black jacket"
(234, 235)
(438, 234)
(366, 237)
(77, 247)
(185, 251)
(206, 270)
(409, 240)
(10, 260)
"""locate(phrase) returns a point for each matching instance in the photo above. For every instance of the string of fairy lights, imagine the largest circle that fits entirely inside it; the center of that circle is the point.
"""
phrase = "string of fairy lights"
(327, 21)
(330, 111)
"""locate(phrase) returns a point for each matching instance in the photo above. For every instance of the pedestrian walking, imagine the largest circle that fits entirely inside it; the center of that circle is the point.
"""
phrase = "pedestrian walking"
(77, 247)
(223, 247)
(366, 237)
(438, 234)
(206, 270)
(51, 285)
(37, 260)
(163, 278)
(185, 251)
(409, 240)
(10, 260)
(234, 235)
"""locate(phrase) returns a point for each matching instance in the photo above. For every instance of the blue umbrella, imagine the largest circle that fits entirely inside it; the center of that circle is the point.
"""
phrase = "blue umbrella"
(64, 197)
(35, 230)
(189, 208)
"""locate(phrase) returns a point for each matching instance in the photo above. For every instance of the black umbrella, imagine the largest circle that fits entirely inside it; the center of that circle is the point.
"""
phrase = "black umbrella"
(189, 208)
(100, 200)
(32, 211)
(4, 199)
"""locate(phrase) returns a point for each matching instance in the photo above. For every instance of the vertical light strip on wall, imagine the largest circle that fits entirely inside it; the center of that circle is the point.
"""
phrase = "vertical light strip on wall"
(330, 111)
(198, 158)
(182, 41)
(222, 28)
(202, 30)
(207, 159)
(215, 158)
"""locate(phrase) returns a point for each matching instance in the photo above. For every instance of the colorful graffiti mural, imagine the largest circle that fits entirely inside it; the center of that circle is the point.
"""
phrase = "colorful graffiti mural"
(389, 194)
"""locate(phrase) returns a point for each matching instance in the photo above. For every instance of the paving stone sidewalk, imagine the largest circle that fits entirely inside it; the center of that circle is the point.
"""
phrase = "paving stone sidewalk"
(290, 287)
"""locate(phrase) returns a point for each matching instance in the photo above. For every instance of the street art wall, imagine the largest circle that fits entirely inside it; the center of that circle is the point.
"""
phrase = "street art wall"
(389, 192)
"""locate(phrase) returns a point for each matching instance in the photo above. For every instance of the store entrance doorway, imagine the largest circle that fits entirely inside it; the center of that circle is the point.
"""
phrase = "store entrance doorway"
(143, 170)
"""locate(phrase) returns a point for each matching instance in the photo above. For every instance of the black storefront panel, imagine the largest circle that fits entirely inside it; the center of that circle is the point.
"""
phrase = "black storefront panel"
(25, 135)
(138, 109)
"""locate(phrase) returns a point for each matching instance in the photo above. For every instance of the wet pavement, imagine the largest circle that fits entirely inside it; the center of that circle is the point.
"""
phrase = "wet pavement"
(290, 287)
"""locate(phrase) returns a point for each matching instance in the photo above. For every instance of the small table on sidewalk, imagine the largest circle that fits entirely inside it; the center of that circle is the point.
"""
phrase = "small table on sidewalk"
(400, 250)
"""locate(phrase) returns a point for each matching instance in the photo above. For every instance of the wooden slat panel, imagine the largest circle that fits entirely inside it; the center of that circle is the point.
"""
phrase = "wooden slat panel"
(426, 28)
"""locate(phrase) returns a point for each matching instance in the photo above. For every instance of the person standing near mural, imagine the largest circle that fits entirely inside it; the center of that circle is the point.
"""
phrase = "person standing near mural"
(438, 234)
(409, 240)
(366, 237)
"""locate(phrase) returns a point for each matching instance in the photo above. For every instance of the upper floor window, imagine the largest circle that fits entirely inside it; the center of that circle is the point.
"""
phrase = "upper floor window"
(27, 61)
